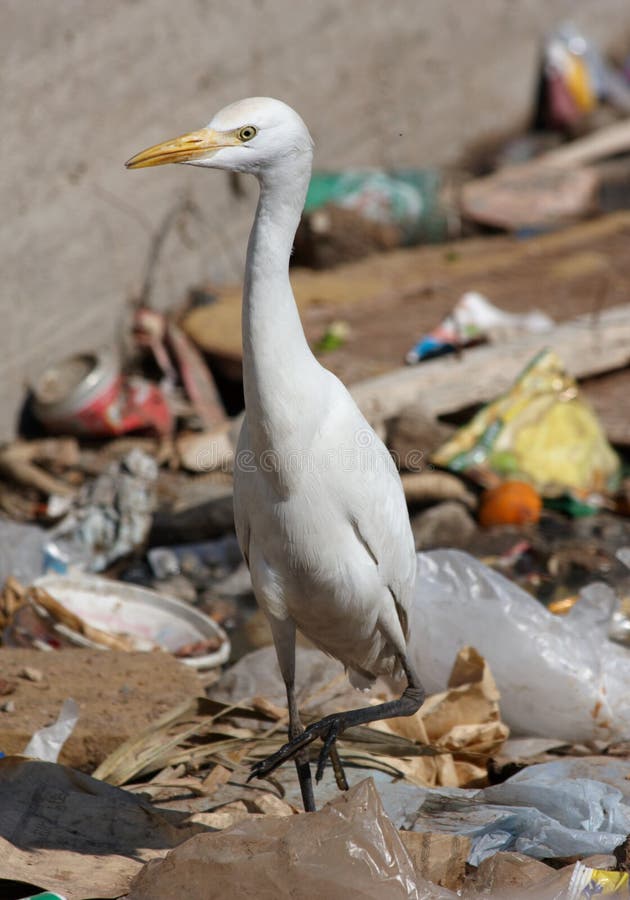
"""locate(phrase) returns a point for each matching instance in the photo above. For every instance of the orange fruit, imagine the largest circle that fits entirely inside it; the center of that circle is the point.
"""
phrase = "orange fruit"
(511, 503)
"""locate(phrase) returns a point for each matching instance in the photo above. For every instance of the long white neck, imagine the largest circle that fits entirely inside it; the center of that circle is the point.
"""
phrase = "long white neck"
(278, 366)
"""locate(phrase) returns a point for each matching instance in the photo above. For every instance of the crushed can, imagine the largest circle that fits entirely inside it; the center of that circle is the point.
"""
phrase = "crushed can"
(86, 394)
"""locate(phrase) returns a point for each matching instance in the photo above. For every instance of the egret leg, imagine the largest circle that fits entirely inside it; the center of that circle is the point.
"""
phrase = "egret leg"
(331, 726)
(296, 730)
(284, 640)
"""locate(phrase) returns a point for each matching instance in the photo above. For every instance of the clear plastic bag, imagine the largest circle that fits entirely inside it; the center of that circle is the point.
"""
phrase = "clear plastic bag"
(347, 849)
(558, 677)
(548, 811)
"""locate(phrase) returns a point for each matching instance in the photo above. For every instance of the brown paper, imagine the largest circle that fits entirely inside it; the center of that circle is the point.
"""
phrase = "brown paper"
(440, 858)
(464, 721)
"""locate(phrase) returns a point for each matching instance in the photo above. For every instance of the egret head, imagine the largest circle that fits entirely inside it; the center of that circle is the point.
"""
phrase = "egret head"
(252, 135)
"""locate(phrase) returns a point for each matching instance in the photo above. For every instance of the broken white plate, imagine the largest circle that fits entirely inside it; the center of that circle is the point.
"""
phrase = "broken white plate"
(144, 615)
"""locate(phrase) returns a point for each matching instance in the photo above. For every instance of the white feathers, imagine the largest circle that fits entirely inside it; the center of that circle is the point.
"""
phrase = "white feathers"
(320, 511)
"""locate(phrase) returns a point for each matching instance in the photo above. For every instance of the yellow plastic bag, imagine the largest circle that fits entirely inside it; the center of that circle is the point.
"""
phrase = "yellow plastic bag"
(588, 882)
(540, 431)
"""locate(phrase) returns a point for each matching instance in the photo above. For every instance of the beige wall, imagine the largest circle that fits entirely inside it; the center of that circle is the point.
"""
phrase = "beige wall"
(86, 83)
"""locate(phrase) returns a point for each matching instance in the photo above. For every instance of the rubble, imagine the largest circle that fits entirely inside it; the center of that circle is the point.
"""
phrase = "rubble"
(189, 755)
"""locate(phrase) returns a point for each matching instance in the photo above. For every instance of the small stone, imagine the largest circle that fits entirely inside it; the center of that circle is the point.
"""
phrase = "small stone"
(8, 706)
(448, 524)
(30, 673)
(430, 487)
(271, 805)
(413, 435)
(178, 586)
(7, 686)
(221, 609)
(238, 584)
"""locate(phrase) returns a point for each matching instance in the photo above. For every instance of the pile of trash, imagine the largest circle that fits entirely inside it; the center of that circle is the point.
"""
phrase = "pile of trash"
(138, 681)
(121, 569)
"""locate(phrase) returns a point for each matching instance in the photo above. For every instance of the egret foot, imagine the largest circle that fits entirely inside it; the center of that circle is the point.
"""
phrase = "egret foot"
(340, 775)
(330, 727)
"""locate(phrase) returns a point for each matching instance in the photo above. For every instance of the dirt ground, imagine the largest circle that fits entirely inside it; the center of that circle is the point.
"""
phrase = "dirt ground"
(118, 695)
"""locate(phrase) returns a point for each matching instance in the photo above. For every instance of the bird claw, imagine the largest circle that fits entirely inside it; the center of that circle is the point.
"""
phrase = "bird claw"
(268, 765)
(327, 728)
(324, 753)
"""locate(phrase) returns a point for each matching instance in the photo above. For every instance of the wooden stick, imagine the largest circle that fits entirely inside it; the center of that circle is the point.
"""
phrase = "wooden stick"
(587, 346)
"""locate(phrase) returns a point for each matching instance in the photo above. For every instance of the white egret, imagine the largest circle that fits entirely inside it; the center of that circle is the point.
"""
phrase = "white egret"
(319, 507)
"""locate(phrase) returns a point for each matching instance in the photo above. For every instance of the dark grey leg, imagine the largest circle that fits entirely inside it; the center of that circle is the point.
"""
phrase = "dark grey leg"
(330, 727)
(296, 730)
(283, 631)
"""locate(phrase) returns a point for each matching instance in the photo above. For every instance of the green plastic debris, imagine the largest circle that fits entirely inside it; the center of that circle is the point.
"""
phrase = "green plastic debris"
(408, 198)
(335, 336)
(47, 895)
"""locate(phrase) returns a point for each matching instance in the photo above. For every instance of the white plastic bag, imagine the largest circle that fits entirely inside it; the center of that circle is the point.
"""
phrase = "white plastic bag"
(546, 811)
(46, 744)
(558, 677)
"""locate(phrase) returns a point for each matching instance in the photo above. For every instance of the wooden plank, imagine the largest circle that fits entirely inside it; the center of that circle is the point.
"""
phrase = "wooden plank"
(588, 345)
(558, 187)
(532, 195)
(591, 148)
(390, 299)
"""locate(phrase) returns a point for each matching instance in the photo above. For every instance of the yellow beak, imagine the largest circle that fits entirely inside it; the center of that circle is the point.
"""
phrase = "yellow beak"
(196, 145)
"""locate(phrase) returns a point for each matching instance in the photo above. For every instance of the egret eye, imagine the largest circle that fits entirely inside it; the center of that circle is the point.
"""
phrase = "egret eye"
(247, 133)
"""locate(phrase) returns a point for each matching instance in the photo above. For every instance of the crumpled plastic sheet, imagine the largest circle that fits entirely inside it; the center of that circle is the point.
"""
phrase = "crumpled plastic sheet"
(558, 676)
(21, 551)
(347, 849)
(111, 516)
(47, 742)
(547, 811)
